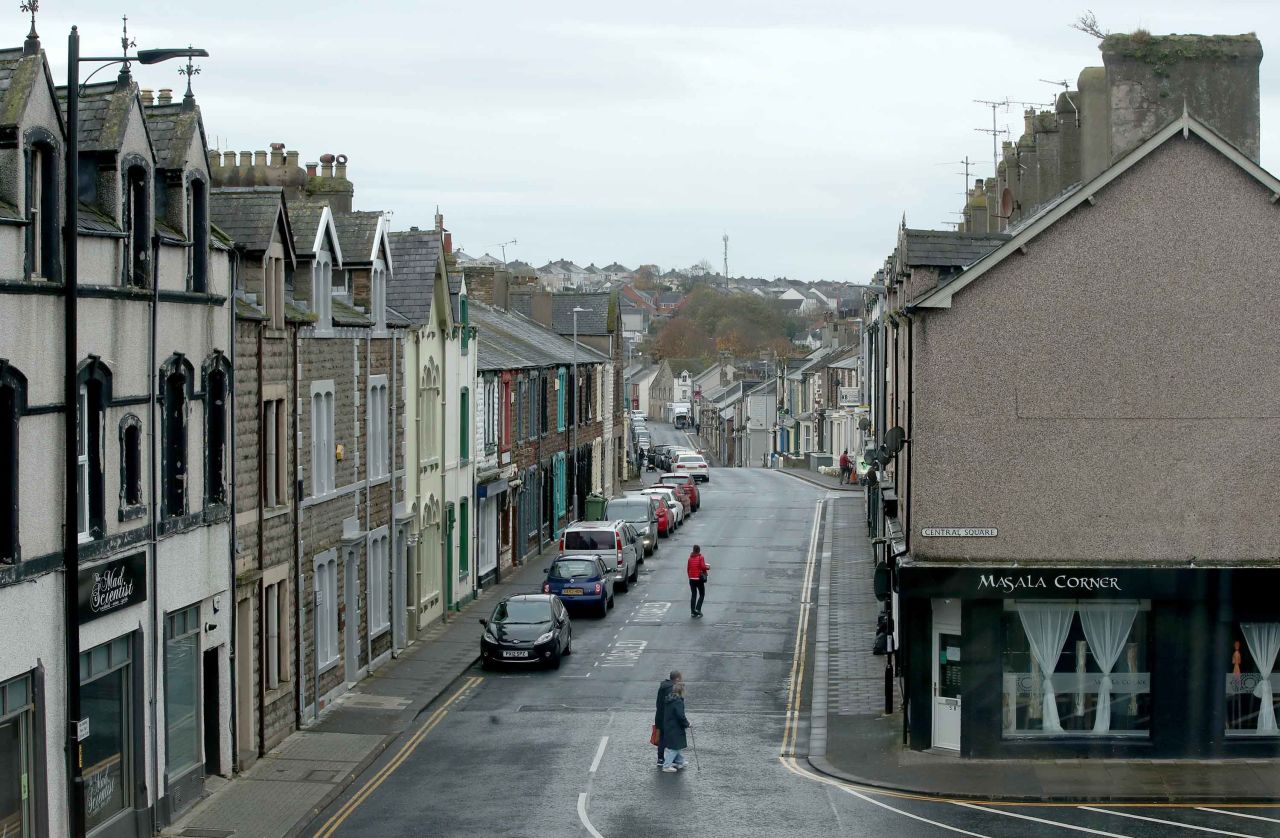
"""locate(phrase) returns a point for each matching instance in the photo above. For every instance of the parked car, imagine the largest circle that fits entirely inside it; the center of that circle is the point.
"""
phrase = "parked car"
(674, 502)
(693, 464)
(609, 539)
(662, 456)
(666, 518)
(686, 480)
(526, 628)
(640, 513)
(585, 580)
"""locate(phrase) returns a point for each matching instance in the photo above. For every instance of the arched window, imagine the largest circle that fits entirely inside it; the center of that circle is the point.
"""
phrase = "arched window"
(198, 231)
(464, 424)
(13, 399)
(43, 245)
(322, 291)
(176, 382)
(94, 380)
(217, 392)
(130, 467)
(137, 227)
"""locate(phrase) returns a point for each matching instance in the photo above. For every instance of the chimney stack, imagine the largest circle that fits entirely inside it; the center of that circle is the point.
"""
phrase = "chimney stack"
(311, 169)
(341, 171)
(326, 165)
(147, 97)
(540, 307)
(260, 159)
(291, 159)
(166, 96)
(246, 159)
(277, 154)
(228, 159)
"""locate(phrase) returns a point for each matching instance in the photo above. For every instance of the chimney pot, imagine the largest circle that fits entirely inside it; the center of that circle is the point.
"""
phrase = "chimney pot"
(326, 165)
(291, 159)
(260, 158)
(311, 169)
(147, 97)
(246, 158)
(229, 159)
(341, 170)
(277, 154)
(215, 159)
(166, 95)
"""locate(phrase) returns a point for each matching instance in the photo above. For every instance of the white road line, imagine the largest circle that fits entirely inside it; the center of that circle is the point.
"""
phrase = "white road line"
(991, 811)
(1168, 823)
(582, 816)
(1237, 814)
(948, 827)
(595, 763)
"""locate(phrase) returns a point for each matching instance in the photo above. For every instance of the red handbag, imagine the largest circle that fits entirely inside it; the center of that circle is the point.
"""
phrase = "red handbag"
(654, 736)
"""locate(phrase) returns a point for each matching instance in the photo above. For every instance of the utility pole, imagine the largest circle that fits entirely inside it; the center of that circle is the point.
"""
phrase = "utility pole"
(725, 237)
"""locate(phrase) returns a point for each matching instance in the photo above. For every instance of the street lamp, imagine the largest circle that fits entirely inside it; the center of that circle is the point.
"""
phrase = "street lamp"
(574, 430)
(71, 390)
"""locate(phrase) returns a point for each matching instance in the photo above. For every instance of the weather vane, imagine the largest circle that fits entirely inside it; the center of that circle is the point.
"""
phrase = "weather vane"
(32, 45)
(31, 6)
(125, 43)
(189, 71)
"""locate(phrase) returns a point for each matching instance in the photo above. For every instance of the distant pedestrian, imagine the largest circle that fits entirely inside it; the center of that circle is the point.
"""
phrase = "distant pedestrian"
(674, 725)
(698, 568)
(845, 467)
(664, 692)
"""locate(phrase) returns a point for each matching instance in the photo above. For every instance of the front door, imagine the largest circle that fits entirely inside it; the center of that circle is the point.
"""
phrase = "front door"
(351, 601)
(946, 674)
(246, 739)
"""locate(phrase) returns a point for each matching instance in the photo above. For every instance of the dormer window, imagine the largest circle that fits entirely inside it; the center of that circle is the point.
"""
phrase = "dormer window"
(137, 227)
(42, 212)
(321, 291)
(198, 232)
(378, 295)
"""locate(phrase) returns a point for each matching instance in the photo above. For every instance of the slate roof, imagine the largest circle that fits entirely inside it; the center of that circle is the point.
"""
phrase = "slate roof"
(416, 256)
(517, 265)
(356, 232)
(172, 130)
(670, 298)
(103, 114)
(93, 219)
(345, 314)
(304, 218)
(947, 248)
(246, 213)
(595, 321)
(615, 268)
(8, 210)
(509, 340)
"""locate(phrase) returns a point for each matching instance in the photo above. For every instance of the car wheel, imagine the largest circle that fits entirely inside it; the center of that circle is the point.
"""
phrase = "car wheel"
(624, 585)
(635, 574)
(604, 606)
(554, 662)
(486, 664)
(610, 600)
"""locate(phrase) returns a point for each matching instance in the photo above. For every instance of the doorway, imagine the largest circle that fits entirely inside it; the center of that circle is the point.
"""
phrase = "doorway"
(946, 674)
(212, 690)
(351, 612)
(246, 740)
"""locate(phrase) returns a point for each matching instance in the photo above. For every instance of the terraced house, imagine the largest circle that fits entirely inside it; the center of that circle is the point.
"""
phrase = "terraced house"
(152, 456)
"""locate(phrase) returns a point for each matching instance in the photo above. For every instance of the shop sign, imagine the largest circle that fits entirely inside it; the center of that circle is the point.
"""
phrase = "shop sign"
(959, 532)
(82, 730)
(111, 586)
(1067, 582)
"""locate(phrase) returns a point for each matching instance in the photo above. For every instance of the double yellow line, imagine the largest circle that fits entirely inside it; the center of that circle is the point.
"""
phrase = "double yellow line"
(798, 654)
(387, 770)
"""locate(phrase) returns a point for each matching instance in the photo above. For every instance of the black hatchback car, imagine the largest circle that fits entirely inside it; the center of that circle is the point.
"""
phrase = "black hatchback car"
(526, 628)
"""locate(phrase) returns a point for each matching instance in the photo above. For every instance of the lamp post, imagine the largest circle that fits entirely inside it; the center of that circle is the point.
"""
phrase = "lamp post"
(71, 394)
(574, 430)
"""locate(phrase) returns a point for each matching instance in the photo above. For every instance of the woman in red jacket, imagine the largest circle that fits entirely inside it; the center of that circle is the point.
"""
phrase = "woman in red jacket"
(697, 580)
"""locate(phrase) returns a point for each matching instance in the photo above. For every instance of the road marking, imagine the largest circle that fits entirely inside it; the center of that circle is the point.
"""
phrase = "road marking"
(1168, 823)
(595, 763)
(582, 815)
(624, 653)
(911, 815)
(992, 811)
(387, 770)
(794, 681)
(1236, 814)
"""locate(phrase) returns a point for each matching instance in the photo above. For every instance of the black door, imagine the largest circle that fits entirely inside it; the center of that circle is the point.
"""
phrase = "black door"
(212, 742)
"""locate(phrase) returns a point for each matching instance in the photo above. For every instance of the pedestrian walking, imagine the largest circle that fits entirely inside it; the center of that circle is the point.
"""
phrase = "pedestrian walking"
(698, 568)
(664, 692)
(674, 724)
(845, 467)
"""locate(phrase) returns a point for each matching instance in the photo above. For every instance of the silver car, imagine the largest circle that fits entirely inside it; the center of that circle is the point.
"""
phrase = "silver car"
(639, 512)
(614, 538)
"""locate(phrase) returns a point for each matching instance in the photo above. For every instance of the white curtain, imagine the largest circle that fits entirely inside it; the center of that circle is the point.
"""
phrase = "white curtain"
(1264, 643)
(1106, 627)
(1047, 626)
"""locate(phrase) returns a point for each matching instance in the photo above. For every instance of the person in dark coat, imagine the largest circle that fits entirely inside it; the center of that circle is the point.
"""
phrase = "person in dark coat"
(674, 725)
(664, 692)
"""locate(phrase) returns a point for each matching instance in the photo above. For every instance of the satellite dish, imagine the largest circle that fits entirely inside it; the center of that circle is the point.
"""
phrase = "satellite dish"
(1006, 203)
(864, 424)
(894, 439)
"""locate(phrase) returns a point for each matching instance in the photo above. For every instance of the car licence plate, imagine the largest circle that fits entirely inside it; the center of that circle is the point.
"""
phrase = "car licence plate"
(514, 654)
(573, 592)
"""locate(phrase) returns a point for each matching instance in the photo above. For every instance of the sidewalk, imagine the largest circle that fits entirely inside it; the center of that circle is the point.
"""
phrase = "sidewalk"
(825, 481)
(852, 739)
(285, 789)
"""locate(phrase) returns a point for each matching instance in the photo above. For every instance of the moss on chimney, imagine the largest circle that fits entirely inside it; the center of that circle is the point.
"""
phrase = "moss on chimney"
(1162, 50)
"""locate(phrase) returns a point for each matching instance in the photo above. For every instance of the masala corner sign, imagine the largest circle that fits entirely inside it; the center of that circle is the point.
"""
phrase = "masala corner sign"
(959, 532)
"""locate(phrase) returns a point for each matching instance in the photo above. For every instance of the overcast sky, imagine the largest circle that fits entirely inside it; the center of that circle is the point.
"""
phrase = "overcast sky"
(597, 132)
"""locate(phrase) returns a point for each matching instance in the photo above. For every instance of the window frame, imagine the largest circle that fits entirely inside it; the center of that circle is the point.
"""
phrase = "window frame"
(376, 429)
(44, 207)
(464, 422)
(217, 421)
(378, 573)
(136, 221)
(175, 491)
(132, 503)
(325, 590)
(323, 445)
(14, 405)
(198, 234)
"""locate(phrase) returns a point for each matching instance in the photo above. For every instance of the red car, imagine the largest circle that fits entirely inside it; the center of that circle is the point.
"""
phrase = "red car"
(664, 518)
(686, 482)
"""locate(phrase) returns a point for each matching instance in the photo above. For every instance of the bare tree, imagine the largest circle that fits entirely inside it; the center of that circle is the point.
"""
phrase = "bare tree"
(1088, 24)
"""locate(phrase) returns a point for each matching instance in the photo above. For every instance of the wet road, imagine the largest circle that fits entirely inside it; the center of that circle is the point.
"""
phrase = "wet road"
(566, 753)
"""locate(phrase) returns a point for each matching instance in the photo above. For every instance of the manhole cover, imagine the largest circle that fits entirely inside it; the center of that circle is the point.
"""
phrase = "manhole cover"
(321, 775)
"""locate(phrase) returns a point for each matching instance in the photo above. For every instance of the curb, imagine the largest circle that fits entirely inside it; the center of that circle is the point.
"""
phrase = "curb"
(823, 766)
(812, 482)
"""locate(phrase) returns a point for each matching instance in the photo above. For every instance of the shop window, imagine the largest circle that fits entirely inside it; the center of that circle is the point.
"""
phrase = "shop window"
(130, 466)
(176, 378)
(182, 691)
(137, 227)
(43, 231)
(322, 438)
(198, 230)
(1076, 669)
(326, 587)
(12, 399)
(275, 613)
(379, 570)
(17, 758)
(217, 391)
(1252, 682)
(378, 419)
(106, 700)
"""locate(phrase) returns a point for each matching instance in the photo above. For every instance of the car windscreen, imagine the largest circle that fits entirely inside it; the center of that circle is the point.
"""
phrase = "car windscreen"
(629, 510)
(579, 540)
(522, 611)
(574, 569)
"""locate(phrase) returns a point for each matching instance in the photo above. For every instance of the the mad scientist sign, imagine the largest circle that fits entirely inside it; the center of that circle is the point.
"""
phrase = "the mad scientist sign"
(111, 586)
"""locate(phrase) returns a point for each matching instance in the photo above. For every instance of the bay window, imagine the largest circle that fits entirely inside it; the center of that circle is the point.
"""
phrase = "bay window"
(1252, 680)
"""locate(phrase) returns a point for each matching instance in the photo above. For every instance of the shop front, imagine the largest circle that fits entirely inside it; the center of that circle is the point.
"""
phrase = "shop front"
(22, 787)
(1076, 662)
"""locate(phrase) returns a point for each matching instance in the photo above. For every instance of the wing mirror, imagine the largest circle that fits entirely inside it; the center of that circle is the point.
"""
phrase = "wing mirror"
(484, 622)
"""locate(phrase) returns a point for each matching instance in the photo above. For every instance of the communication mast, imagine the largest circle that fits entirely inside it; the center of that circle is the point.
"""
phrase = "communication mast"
(725, 238)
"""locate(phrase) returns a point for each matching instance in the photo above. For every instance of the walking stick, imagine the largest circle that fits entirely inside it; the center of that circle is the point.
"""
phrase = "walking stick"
(693, 746)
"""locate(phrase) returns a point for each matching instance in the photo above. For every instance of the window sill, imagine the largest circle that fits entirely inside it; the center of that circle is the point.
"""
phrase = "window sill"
(379, 480)
(128, 513)
(279, 691)
(378, 631)
(325, 667)
(275, 511)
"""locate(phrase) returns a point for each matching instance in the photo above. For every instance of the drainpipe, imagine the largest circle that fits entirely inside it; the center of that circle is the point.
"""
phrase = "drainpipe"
(157, 624)
(393, 531)
(295, 488)
(262, 551)
(365, 459)
(445, 533)
(233, 268)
